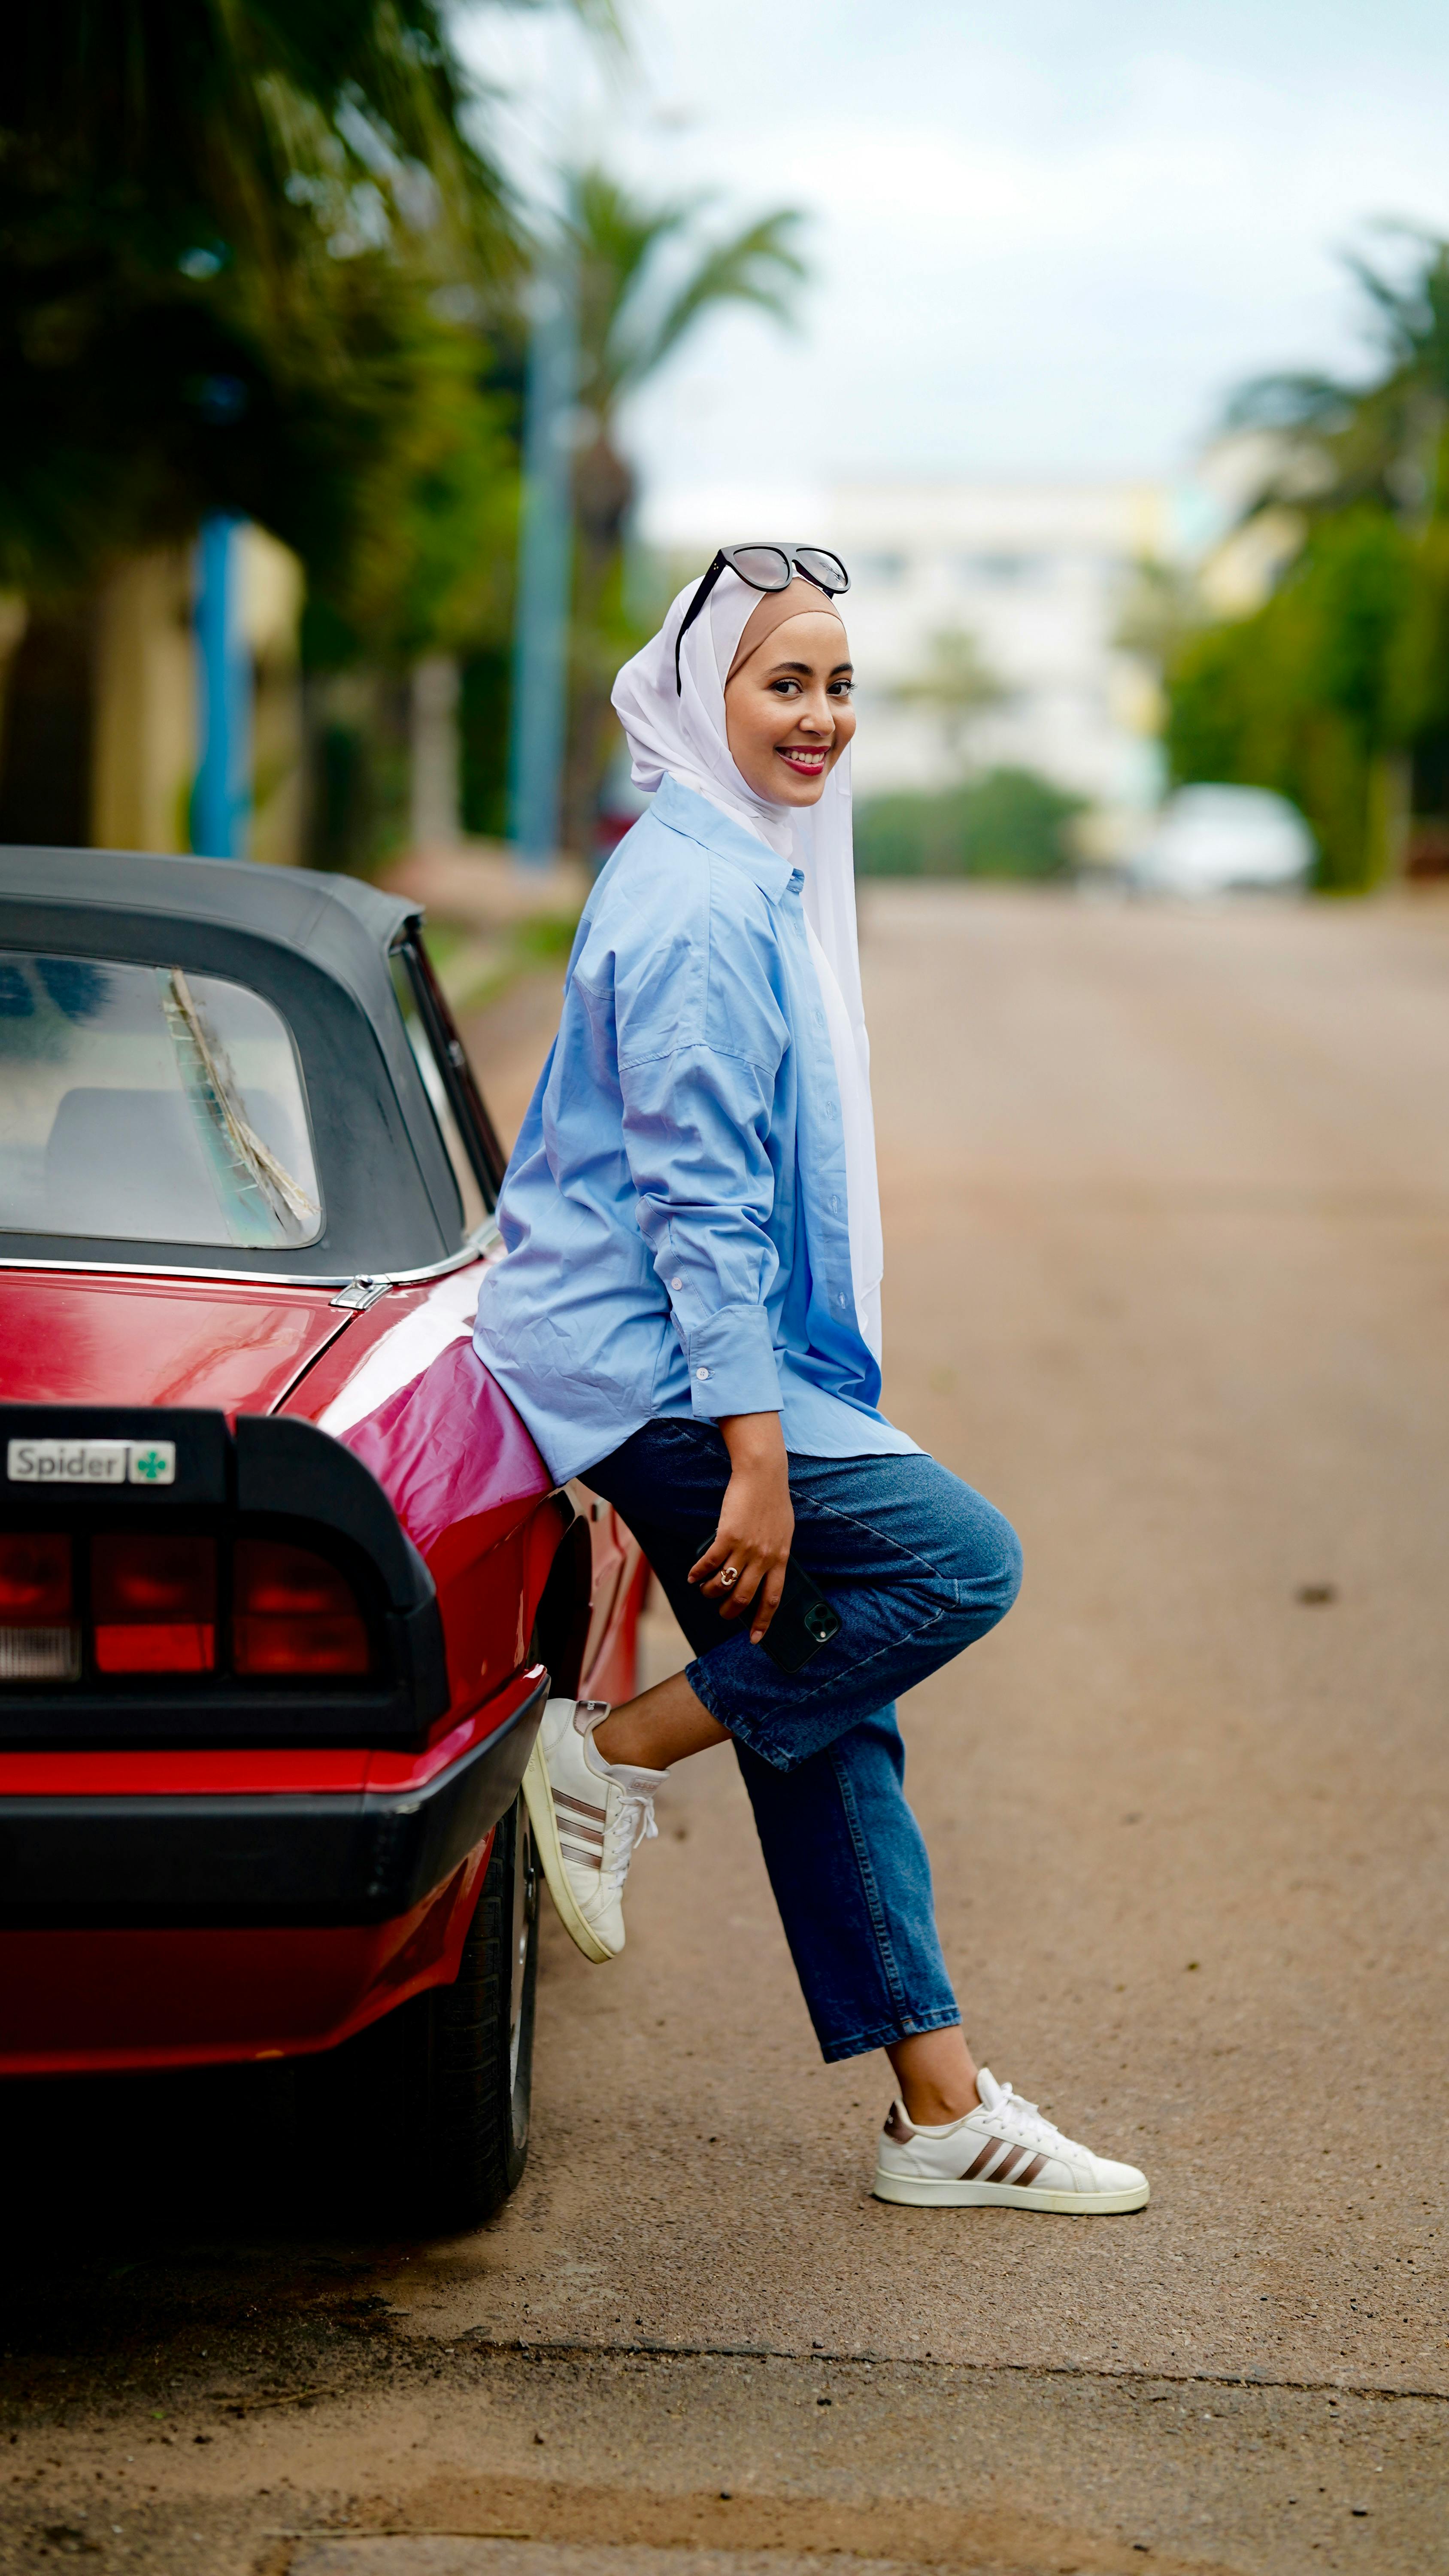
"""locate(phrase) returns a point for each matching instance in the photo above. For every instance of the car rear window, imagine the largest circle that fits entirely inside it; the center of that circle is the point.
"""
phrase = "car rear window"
(151, 1105)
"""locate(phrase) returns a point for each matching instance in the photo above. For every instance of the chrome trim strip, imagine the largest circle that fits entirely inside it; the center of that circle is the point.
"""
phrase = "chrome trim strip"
(478, 1243)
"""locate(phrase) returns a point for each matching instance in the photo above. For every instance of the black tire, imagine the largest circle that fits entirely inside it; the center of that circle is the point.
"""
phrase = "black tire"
(433, 2100)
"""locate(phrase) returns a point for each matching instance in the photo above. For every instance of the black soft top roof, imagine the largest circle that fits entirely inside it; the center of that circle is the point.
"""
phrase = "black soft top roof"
(327, 918)
(317, 948)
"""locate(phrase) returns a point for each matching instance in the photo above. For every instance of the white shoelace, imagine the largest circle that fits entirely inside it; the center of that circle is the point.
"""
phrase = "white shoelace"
(634, 1824)
(1040, 2131)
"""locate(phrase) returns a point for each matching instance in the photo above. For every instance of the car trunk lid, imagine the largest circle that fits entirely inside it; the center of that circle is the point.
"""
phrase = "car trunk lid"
(234, 1345)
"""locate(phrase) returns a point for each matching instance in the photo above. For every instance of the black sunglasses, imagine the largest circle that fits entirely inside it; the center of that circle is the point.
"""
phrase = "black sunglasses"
(764, 568)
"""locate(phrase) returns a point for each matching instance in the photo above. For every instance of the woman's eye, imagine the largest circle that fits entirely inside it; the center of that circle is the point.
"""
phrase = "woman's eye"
(842, 688)
(786, 688)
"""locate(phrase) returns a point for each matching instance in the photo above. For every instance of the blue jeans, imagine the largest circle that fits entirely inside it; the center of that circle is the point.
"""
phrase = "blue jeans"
(918, 1566)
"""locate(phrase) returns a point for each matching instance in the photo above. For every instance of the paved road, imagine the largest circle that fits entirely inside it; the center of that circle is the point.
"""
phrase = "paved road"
(1167, 1209)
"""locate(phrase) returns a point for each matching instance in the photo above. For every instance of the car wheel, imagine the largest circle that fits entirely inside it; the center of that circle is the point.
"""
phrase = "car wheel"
(481, 2052)
(432, 2102)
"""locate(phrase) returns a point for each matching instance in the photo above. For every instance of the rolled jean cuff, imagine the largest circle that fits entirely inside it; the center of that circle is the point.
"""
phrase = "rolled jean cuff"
(698, 1677)
(862, 2043)
(760, 1735)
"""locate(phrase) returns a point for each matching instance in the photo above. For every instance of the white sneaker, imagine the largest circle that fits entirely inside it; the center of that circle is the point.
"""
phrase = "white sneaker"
(589, 1817)
(1003, 2155)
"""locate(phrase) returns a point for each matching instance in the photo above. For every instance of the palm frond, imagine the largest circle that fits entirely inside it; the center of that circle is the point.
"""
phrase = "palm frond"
(1330, 443)
(1290, 402)
(759, 266)
(631, 315)
(216, 119)
(237, 240)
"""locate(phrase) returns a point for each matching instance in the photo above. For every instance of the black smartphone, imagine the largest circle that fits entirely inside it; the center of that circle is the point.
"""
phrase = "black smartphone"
(803, 1623)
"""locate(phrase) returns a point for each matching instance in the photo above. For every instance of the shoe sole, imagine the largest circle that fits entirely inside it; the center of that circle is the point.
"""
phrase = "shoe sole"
(920, 2192)
(543, 1816)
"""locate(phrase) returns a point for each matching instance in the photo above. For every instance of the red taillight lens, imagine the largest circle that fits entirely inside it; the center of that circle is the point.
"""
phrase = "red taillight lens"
(39, 1640)
(34, 1579)
(153, 1598)
(294, 1613)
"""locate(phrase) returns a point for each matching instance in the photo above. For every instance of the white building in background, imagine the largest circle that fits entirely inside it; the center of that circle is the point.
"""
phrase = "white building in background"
(1035, 573)
(1037, 576)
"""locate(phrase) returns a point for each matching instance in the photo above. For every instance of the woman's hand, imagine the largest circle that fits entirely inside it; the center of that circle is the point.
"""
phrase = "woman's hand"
(756, 1523)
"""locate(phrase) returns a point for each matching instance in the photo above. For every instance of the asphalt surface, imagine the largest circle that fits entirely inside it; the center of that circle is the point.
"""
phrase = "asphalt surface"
(1167, 1216)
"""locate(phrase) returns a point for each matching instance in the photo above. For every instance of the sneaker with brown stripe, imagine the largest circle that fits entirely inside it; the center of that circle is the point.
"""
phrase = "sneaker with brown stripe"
(589, 1817)
(1002, 2155)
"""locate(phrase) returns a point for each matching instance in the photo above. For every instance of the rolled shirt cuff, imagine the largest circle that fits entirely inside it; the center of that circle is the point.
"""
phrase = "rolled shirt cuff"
(732, 1364)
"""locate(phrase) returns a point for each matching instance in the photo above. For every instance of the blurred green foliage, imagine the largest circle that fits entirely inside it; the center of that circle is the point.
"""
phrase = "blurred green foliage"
(1336, 691)
(256, 258)
(1011, 823)
(229, 237)
(486, 679)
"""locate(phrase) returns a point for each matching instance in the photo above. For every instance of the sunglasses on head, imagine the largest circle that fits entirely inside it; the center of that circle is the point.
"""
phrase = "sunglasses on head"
(764, 568)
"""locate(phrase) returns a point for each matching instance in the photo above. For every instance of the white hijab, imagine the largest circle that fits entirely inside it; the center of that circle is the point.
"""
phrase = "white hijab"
(682, 736)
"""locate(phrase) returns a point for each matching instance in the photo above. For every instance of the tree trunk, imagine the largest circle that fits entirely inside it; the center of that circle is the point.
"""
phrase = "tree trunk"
(435, 820)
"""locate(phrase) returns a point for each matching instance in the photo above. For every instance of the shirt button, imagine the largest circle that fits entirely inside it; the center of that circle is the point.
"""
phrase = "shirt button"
(676, 1283)
(701, 1372)
(834, 1206)
(840, 1301)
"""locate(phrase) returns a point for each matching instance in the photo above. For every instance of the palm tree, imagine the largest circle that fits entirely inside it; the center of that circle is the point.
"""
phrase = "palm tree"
(256, 257)
(1335, 691)
(211, 122)
(220, 222)
(646, 276)
(1334, 444)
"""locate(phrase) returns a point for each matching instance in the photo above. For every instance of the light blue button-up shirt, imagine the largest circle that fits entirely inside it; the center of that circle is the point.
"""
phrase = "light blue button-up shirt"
(675, 1210)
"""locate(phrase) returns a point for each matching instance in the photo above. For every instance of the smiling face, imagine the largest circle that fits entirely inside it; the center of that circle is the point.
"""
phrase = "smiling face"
(788, 714)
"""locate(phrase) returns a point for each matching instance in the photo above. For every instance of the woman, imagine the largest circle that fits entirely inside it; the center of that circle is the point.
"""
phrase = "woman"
(689, 1319)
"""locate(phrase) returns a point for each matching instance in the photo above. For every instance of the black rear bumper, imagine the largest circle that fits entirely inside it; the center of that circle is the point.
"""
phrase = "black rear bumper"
(360, 1856)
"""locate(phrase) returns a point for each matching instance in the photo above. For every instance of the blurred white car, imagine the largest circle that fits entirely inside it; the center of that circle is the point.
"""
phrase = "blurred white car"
(1222, 840)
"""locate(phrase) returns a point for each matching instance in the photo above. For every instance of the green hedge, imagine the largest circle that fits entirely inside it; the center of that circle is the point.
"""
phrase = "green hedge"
(1011, 823)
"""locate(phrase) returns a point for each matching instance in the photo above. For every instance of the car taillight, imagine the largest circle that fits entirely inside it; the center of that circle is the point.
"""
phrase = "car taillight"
(294, 1613)
(39, 1639)
(153, 1598)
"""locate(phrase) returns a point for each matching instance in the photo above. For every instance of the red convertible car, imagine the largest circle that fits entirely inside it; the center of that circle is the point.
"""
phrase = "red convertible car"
(283, 1581)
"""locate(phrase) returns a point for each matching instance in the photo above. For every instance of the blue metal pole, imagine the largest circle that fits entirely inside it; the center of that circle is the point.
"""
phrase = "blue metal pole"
(222, 799)
(545, 574)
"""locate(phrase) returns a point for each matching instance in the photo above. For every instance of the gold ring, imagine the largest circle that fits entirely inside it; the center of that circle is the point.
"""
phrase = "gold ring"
(729, 1574)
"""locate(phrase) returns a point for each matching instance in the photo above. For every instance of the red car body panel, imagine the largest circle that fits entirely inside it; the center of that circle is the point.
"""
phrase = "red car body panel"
(213, 1995)
(460, 1471)
(84, 1338)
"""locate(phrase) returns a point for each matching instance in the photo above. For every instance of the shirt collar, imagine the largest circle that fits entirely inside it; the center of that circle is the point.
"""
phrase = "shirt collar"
(682, 810)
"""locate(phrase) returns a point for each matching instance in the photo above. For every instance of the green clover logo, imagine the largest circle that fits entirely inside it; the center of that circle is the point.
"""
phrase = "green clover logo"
(150, 1464)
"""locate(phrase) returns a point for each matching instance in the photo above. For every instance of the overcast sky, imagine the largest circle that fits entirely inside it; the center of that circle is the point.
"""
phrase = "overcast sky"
(1045, 240)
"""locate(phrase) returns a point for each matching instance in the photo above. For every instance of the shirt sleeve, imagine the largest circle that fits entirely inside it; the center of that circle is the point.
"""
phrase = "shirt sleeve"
(696, 1134)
